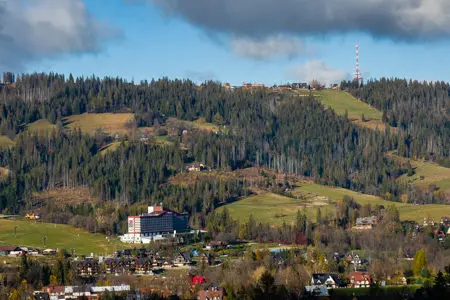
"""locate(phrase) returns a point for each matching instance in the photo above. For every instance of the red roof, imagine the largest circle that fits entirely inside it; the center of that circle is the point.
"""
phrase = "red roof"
(55, 289)
(359, 276)
(8, 248)
(198, 280)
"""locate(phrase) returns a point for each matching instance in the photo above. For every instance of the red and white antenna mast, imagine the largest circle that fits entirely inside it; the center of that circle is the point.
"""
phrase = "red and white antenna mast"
(357, 71)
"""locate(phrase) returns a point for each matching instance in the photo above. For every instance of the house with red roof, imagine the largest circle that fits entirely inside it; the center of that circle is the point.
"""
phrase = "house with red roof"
(359, 279)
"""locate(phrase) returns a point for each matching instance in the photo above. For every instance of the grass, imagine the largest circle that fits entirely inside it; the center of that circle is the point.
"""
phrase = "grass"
(41, 127)
(109, 122)
(163, 140)
(64, 196)
(426, 173)
(5, 141)
(30, 234)
(110, 147)
(276, 209)
(203, 125)
(341, 102)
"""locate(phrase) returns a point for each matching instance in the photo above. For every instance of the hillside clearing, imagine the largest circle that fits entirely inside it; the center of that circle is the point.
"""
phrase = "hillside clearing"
(110, 147)
(342, 102)
(201, 123)
(276, 209)
(4, 172)
(109, 122)
(6, 141)
(64, 196)
(41, 127)
(425, 173)
(31, 234)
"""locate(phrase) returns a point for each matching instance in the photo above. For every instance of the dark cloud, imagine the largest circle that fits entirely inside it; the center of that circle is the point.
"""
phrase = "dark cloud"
(408, 20)
(34, 30)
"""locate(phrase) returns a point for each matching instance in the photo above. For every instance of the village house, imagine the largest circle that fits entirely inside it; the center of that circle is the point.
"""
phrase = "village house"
(445, 221)
(323, 279)
(428, 222)
(142, 265)
(87, 267)
(182, 259)
(439, 235)
(211, 292)
(359, 279)
(317, 292)
(196, 168)
(366, 223)
(7, 250)
(253, 86)
(78, 292)
(215, 245)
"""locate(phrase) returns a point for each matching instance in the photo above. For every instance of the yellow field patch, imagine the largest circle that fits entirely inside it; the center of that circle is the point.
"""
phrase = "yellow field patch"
(41, 127)
(4, 172)
(108, 122)
(6, 141)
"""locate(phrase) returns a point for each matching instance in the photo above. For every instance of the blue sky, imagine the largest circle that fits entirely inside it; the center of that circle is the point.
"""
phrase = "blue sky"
(144, 40)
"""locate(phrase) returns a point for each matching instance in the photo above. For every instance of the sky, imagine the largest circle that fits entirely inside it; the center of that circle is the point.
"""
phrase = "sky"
(236, 41)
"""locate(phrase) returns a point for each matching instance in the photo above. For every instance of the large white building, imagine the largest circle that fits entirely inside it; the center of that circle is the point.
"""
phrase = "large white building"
(156, 224)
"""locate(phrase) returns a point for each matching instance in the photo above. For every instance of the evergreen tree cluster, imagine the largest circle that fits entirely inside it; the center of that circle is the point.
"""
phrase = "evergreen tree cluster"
(421, 110)
(278, 131)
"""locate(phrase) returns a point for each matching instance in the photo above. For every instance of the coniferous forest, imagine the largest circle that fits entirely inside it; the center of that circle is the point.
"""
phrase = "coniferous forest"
(279, 131)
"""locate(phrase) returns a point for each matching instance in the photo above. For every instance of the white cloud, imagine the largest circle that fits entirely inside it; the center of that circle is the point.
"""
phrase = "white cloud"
(318, 70)
(32, 30)
(273, 46)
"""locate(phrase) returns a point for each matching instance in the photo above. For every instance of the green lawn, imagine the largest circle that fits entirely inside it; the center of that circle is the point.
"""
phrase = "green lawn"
(5, 141)
(426, 173)
(341, 102)
(30, 234)
(110, 147)
(276, 209)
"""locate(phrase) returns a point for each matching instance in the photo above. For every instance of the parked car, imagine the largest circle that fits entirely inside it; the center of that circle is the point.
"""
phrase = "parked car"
(33, 252)
(17, 253)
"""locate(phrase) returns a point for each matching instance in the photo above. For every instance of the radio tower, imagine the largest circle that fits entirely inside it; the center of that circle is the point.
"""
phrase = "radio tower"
(357, 71)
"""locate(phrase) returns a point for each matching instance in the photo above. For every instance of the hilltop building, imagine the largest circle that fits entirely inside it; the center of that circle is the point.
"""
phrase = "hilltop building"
(365, 223)
(157, 224)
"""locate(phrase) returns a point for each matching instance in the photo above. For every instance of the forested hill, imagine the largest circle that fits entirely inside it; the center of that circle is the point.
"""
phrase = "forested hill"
(279, 131)
(420, 110)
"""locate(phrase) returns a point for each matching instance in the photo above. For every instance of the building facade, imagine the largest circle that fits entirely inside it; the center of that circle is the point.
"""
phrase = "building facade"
(156, 224)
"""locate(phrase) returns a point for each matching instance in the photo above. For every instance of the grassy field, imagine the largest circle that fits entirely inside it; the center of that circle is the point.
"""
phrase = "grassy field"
(110, 148)
(89, 123)
(42, 127)
(30, 234)
(64, 196)
(276, 209)
(341, 102)
(425, 173)
(6, 141)
(203, 125)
